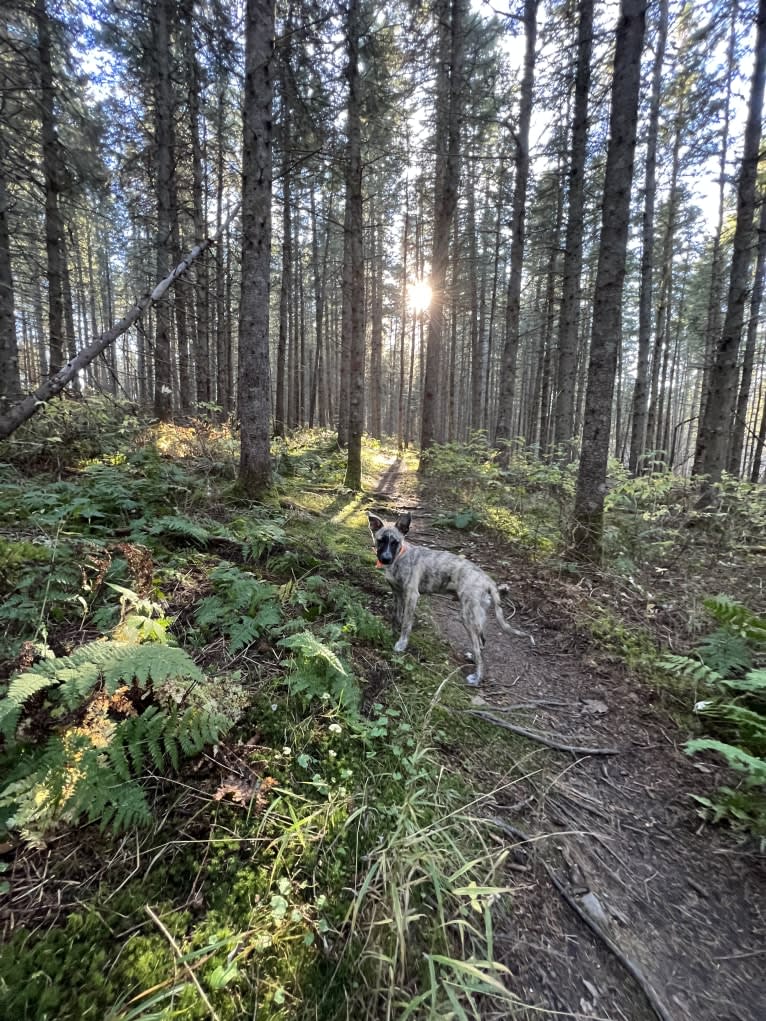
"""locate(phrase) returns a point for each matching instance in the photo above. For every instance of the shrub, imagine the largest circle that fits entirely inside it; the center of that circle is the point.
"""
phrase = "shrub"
(725, 666)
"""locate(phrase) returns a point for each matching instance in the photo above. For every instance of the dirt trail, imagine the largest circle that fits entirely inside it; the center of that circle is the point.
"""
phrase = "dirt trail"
(684, 903)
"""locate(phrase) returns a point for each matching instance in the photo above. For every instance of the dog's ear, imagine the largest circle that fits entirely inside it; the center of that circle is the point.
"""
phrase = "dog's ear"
(376, 523)
(403, 523)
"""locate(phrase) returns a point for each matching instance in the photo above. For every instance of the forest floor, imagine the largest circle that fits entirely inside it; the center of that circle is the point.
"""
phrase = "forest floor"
(612, 840)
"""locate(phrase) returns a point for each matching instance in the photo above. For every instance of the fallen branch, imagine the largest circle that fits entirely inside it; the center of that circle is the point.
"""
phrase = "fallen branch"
(556, 741)
(24, 409)
(632, 968)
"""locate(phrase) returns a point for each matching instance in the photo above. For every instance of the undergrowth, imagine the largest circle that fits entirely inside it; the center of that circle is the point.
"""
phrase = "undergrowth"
(211, 810)
(728, 669)
(662, 548)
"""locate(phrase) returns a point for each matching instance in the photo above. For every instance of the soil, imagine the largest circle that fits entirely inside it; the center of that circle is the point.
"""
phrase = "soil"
(679, 906)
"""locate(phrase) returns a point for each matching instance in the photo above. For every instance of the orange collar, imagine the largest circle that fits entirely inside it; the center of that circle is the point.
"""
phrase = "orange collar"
(401, 552)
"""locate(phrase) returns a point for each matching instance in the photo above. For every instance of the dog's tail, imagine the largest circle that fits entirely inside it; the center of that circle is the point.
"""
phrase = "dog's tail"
(497, 591)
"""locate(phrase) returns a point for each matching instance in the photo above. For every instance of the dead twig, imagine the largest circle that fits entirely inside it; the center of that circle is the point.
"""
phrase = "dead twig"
(632, 968)
(185, 964)
(556, 741)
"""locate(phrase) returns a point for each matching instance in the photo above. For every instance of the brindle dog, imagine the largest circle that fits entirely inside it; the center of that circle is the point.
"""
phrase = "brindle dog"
(414, 570)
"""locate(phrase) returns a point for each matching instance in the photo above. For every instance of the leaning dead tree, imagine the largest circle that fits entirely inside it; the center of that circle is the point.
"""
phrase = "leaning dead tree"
(21, 412)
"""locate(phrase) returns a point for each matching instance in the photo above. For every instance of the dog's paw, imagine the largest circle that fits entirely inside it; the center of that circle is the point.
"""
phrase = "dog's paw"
(401, 645)
(473, 680)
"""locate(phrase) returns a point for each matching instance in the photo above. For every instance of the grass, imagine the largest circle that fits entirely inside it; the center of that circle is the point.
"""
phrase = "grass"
(322, 861)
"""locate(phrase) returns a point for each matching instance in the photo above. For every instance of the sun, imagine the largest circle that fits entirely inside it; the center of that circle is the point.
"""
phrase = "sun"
(420, 295)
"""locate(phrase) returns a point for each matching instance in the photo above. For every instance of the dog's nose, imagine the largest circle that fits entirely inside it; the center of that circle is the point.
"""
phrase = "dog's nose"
(386, 558)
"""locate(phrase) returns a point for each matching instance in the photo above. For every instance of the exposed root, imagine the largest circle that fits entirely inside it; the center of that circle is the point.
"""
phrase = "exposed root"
(555, 741)
(631, 966)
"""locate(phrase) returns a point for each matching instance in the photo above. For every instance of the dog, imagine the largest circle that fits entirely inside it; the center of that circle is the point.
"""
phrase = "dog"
(413, 570)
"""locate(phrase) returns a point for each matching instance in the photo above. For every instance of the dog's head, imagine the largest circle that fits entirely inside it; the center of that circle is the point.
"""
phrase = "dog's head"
(389, 538)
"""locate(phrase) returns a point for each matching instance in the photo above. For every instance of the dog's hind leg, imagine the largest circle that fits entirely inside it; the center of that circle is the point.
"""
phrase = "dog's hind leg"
(473, 617)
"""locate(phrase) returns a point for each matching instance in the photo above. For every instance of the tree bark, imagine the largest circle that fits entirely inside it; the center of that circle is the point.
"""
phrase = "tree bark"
(504, 428)
(376, 332)
(721, 405)
(254, 374)
(743, 399)
(641, 389)
(202, 325)
(10, 379)
(163, 104)
(610, 277)
(569, 313)
(53, 182)
(451, 16)
(353, 270)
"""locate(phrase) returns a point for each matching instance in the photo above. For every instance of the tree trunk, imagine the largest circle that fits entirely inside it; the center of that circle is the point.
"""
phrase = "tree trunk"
(504, 429)
(10, 380)
(721, 405)
(280, 416)
(353, 269)
(254, 375)
(52, 177)
(163, 113)
(713, 325)
(641, 390)
(740, 419)
(376, 333)
(201, 331)
(569, 314)
(610, 276)
(451, 17)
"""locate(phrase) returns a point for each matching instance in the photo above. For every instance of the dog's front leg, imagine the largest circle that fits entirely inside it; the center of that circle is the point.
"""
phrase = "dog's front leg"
(396, 609)
(409, 601)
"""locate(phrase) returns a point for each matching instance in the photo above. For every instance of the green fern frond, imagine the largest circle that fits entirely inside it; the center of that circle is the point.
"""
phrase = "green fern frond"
(753, 683)
(733, 615)
(694, 669)
(726, 652)
(753, 767)
(179, 527)
(309, 647)
(20, 690)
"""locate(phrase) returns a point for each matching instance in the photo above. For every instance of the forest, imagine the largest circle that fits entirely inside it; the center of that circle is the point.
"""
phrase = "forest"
(267, 268)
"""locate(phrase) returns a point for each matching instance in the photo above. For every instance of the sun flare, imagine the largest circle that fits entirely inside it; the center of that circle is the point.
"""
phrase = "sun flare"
(420, 295)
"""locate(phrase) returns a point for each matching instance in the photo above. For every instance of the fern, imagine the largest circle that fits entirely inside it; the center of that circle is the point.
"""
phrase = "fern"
(753, 767)
(735, 710)
(242, 607)
(753, 682)
(725, 653)
(92, 769)
(180, 528)
(317, 670)
(737, 618)
(106, 663)
(20, 690)
(693, 669)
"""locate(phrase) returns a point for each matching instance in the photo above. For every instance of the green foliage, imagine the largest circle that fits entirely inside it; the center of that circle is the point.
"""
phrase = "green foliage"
(103, 663)
(242, 608)
(179, 528)
(735, 709)
(109, 710)
(459, 519)
(261, 538)
(316, 670)
(67, 431)
(737, 619)
(466, 465)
